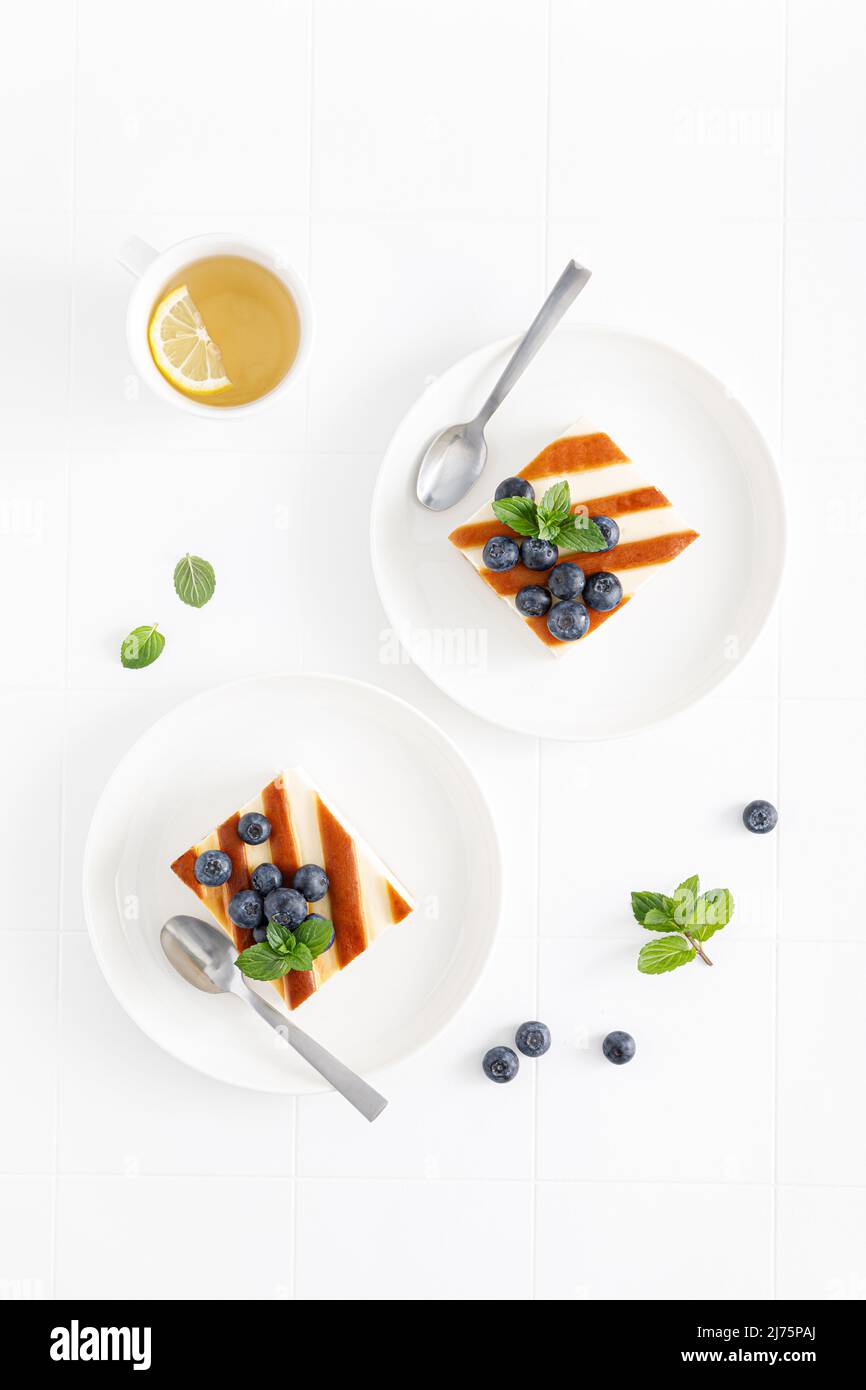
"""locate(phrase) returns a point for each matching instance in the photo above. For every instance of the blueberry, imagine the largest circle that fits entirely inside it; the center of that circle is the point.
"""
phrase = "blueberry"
(533, 601)
(285, 907)
(567, 621)
(245, 909)
(501, 1064)
(500, 553)
(266, 877)
(254, 828)
(317, 917)
(618, 1048)
(213, 867)
(566, 580)
(537, 554)
(760, 817)
(311, 882)
(532, 1039)
(608, 528)
(514, 487)
(260, 934)
(603, 591)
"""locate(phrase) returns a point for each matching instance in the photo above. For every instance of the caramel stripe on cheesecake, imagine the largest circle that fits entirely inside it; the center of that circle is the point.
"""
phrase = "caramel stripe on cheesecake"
(231, 842)
(641, 499)
(573, 454)
(285, 852)
(347, 904)
(397, 903)
(628, 555)
(541, 630)
(184, 867)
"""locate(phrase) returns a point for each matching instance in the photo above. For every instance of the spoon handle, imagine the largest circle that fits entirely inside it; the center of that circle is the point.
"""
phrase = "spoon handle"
(563, 294)
(341, 1077)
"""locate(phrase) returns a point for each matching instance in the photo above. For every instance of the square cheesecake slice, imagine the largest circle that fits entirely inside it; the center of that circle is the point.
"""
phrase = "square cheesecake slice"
(602, 481)
(363, 899)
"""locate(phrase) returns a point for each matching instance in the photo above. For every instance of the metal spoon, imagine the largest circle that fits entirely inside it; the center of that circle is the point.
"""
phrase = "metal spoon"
(454, 459)
(205, 957)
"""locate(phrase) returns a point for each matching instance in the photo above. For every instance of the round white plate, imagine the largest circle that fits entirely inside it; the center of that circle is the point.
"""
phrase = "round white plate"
(400, 782)
(682, 634)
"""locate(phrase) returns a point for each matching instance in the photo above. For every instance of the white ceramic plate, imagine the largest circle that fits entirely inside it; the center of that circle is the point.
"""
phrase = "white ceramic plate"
(682, 634)
(397, 778)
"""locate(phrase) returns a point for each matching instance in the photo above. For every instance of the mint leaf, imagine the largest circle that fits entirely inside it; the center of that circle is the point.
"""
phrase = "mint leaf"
(642, 903)
(656, 920)
(261, 962)
(316, 936)
(685, 898)
(519, 513)
(194, 580)
(665, 953)
(301, 958)
(713, 910)
(554, 510)
(141, 647)
(579, 533)
(280, 939)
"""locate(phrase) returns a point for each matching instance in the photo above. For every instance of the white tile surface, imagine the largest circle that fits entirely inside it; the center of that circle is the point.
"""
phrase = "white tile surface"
(634, 1241)
(233, 509)
(390, 275)
(822, 1055)
(105, 1125)
(827, 109)
(28, 1043)
(821, 1237)
(155, 1237)
(662, 144)
(193, 109)
(466, 1128)
(676, 799)
(696, 1101)
(822, 835)
(26, 1249)
(435, 132)
(664, 109)
(31, 747)
(416, 1240)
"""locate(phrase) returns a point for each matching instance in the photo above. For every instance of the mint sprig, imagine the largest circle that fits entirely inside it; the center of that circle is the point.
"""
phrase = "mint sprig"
(695, 915)
(551, 519)
(285, 950)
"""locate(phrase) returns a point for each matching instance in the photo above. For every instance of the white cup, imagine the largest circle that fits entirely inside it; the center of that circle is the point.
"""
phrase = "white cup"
(154, 269)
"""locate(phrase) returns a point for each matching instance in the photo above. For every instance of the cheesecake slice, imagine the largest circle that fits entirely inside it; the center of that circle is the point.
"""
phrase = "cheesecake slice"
(602, 481)
(363, 898)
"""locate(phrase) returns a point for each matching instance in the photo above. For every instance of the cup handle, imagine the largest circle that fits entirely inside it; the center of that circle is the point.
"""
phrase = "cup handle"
(136, 255)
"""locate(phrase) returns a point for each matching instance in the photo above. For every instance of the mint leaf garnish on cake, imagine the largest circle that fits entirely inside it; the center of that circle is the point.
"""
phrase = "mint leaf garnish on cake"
(694, 917)
(551, 520)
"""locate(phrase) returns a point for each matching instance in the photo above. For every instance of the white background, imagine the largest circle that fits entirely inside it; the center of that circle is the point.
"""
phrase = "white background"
(430, 166)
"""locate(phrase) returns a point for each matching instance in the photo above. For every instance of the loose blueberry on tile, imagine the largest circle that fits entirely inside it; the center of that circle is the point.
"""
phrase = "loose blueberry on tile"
(602, 591)
(212, 868)
(537, 554)
(311, 882)
(500, 553)
(566, 580)
(285, 907)
(608, 528)
(567, 621)
(260, 934)
(254, 828)
(514, 487)
(501, 1064)
(618, 1048)
(532, 1039)
(760, 817)
(317, 917)
(245, 909)
(266, 877)
(533, 601)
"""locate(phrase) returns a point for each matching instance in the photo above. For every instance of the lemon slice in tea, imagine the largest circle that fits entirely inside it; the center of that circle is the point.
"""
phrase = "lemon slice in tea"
(182, 348)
